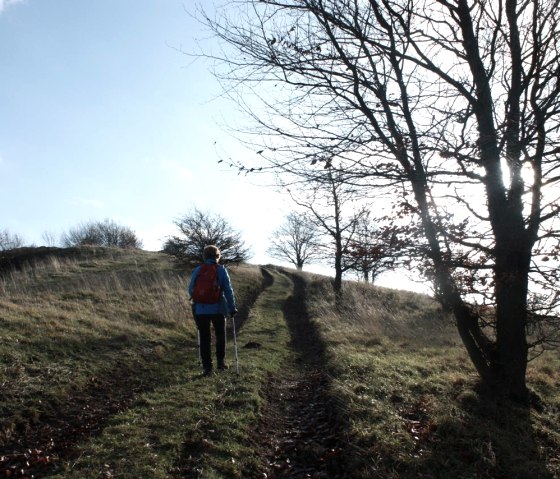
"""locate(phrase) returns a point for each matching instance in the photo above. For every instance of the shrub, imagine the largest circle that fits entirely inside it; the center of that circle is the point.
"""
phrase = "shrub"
(9, 240)
(106, 233)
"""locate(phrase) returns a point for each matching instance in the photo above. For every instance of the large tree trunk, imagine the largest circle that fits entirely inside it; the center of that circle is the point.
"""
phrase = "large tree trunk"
(511, 276)
(512, 249)
(337, 282)
(501, 363)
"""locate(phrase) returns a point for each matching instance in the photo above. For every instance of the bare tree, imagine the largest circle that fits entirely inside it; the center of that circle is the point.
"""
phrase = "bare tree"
(374, 249)
(9, 240)
(105, 233)
(49, 238)
(199, 229)
(296, 241)
(449, 107)
(329, 201)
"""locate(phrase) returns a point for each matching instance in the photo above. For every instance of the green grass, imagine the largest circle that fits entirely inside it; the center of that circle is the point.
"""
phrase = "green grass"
(103, 341)
(408, 390)
(64, 324)
(119, 325)
(194, 424)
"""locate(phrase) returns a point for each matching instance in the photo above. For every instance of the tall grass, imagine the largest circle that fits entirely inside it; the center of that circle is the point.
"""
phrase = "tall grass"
(406, 385)
(64, 323)
(380, 314)
(66, 320)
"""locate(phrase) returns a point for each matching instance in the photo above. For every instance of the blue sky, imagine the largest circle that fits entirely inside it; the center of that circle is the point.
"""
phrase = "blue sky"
(102, 117)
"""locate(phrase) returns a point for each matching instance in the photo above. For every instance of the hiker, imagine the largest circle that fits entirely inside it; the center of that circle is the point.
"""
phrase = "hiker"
(213, 299)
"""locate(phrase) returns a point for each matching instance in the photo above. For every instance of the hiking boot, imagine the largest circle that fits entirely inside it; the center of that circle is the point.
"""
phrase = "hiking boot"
(207, 372)
(223, 366)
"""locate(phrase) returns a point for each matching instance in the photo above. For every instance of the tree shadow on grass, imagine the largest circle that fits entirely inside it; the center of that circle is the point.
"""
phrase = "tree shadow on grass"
(488, 438)
(305, 336)
(302, 432)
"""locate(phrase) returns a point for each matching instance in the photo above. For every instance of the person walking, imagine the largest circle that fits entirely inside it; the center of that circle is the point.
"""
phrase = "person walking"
(213, 300)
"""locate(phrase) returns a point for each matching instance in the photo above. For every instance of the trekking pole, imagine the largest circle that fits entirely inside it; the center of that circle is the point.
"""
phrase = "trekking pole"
(198, 342)
(197, 331)
(235, 344)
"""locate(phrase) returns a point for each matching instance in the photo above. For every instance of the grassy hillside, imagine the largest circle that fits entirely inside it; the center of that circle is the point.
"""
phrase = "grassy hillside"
(409, 392)
(87, 340)
(100, 378)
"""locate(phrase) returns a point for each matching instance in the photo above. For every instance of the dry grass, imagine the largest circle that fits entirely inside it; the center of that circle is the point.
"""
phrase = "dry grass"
(381, 315)
(64, 321)
(407, 388)
(117, 325)
(98, 347)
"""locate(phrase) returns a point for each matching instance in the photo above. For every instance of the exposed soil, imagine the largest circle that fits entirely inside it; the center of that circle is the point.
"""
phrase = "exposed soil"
(301, 434)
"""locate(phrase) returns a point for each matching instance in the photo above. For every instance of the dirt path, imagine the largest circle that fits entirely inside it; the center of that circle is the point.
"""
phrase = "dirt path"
(300, 433)
(38, 451)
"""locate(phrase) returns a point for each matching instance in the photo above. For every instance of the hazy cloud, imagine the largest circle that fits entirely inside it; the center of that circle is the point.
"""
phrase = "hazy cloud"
(7, 3)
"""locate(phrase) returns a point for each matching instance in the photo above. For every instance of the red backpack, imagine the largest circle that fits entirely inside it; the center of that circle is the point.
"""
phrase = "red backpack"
(206, 288)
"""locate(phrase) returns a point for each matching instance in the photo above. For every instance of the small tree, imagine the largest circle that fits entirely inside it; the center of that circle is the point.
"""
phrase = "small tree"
(9, 240)
(373, 251)
(330, 203)
(199, 229)
(106, 233)
(295, 241)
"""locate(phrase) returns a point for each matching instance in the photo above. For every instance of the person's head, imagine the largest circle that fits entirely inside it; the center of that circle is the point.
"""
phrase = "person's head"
(211, 252)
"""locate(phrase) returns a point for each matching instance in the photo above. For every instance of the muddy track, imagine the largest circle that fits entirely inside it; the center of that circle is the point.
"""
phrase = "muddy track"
(38, 449)
(301, 433)
(245, 308)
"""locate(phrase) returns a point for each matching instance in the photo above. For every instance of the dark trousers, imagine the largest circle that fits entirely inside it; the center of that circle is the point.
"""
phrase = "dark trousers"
(203, 322)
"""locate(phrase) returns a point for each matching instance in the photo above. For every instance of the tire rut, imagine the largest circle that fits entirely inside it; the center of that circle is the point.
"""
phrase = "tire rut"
(187, 464)
(301, 433)
(38, 450)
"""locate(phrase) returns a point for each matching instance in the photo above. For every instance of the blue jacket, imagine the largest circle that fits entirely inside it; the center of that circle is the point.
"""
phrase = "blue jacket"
(226, 305)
